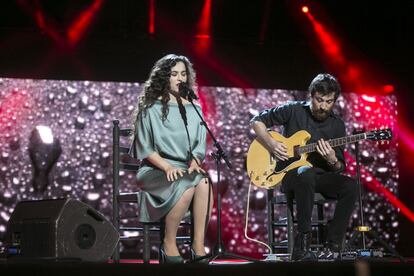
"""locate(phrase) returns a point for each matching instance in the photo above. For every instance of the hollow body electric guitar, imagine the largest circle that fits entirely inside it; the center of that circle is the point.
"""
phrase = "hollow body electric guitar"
(267, 172)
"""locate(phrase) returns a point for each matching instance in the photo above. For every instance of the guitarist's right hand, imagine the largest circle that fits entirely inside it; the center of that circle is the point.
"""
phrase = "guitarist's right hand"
(279, 150)
(276, 148)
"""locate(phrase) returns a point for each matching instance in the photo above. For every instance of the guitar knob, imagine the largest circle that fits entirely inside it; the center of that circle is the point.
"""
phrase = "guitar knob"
(257, 178)
(251, 174)
(265, 173)
(271, 179)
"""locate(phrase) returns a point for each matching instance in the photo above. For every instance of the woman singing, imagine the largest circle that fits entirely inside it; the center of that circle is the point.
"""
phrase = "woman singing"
(171, 176)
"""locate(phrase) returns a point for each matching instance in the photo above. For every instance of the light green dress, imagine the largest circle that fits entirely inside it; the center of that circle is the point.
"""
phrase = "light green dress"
(169, 140)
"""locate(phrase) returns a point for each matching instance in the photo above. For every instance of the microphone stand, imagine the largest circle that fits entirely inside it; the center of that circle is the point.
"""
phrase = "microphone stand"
(219, 249)
(363, 229)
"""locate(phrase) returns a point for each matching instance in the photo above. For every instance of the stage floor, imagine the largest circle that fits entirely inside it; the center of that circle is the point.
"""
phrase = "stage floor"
(360, 267)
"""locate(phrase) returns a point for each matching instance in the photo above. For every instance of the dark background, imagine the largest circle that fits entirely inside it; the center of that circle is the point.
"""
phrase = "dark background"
(117, 47)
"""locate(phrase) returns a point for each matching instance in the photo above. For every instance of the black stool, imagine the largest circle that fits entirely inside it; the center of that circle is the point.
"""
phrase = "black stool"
(146, 229)
(287, 201)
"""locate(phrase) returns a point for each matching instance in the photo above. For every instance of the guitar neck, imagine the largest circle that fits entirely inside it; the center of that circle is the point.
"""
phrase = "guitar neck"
(334, 142)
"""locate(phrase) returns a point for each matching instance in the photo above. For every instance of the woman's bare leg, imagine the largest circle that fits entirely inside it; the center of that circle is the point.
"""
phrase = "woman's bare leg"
(200, 201)
(172, 221)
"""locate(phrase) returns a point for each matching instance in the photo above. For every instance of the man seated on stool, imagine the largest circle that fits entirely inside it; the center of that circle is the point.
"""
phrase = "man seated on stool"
(316, 117)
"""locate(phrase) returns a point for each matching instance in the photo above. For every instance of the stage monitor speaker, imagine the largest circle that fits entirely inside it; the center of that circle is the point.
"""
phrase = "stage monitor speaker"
(60, 229)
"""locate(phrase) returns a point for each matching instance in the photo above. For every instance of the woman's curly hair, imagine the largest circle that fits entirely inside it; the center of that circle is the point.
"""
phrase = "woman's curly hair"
(158, 85)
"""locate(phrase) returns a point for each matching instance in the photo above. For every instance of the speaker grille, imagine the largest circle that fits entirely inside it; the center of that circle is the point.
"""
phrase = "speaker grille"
(35, 238)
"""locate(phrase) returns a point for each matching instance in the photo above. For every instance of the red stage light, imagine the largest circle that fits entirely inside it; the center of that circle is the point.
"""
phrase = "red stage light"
(378, 187)
(348, 70)
(203, 33)
(205, 19)
(151, 25)
(77, 30)
(388, 88)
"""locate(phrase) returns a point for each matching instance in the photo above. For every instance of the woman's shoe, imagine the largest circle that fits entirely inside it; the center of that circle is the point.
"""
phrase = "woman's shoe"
(165, 259)
(199, 258)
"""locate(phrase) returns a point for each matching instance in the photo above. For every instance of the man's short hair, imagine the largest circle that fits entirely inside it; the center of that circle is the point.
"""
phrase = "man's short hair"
(325, 84)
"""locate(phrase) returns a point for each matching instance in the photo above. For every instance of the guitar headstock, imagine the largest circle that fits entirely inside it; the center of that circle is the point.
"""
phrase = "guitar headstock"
(379, 134)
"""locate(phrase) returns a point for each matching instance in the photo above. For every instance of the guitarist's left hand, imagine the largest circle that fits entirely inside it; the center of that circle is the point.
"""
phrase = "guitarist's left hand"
(327, 152)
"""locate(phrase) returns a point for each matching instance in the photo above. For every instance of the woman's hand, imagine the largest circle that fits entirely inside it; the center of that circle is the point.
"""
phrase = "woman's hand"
(195, 167)
(173, 173)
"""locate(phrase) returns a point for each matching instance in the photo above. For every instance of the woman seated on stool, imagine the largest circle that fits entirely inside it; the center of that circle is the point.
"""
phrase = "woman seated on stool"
(171, 176)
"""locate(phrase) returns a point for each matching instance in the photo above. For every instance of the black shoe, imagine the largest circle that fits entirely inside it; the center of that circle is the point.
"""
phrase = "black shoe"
(330, 252)
(165, 259)
(198, 258)
(301, 248)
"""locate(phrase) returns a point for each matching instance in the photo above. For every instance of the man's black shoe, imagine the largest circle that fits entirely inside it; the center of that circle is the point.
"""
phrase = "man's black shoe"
(330, 252)
(301, 248)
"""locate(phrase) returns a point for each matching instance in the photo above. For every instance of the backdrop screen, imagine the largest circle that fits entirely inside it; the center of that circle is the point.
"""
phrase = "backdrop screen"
(56, 141)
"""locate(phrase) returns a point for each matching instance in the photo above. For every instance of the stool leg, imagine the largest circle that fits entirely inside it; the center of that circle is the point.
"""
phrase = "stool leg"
(270, 218)
(321, 226)
(289, 214)
(147, 249)
(161, 236)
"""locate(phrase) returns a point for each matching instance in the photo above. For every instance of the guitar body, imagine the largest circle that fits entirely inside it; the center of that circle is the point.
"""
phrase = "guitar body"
(267, 172)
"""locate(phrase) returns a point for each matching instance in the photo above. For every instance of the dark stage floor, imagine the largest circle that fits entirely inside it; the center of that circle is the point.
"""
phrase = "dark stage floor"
(135, 267)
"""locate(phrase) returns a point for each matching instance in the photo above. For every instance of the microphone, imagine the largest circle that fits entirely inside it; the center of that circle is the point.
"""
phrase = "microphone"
(186, 92)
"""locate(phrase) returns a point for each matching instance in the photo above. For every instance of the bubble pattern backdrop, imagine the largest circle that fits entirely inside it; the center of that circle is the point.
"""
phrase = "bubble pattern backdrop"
(79, 116)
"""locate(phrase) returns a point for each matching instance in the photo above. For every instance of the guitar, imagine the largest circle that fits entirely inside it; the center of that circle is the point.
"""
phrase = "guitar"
(266, 172)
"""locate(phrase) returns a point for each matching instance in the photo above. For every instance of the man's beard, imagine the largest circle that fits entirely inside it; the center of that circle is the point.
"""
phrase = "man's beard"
(321, 115)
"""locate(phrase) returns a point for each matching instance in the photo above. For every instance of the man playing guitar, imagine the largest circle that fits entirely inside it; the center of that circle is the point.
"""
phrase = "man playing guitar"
(327, 162)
